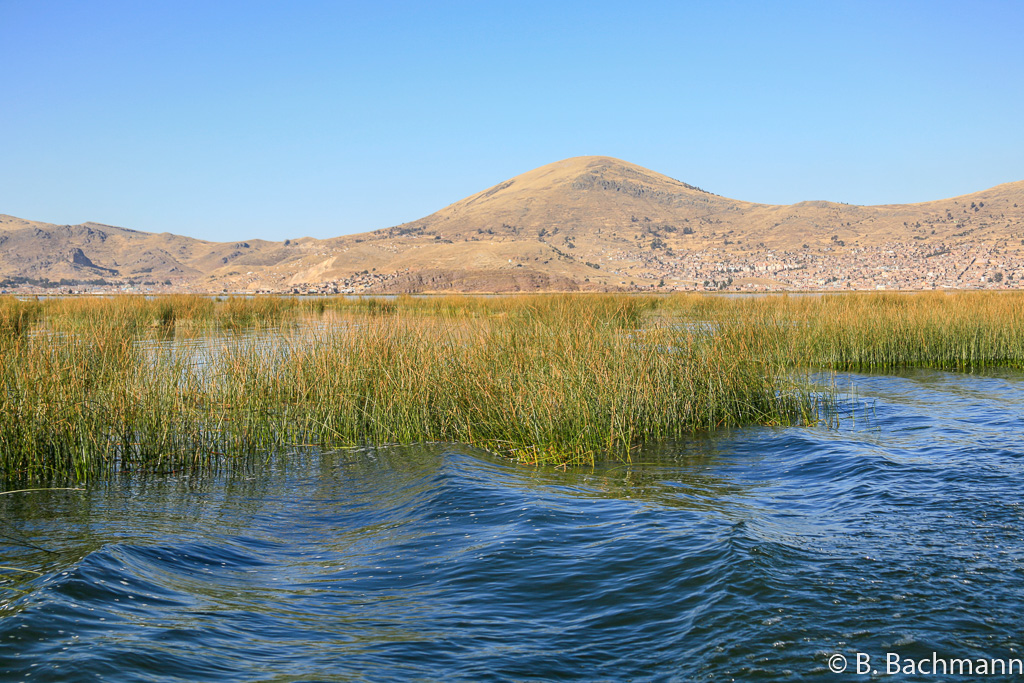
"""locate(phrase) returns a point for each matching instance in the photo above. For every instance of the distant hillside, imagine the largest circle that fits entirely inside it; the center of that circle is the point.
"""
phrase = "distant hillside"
(581, 223)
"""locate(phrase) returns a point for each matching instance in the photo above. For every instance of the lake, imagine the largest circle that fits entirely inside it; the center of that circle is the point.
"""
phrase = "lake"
(755, 554)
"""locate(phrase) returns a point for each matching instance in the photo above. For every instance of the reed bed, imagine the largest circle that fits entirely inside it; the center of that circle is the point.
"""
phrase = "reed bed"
(877, 331)
(16, 318)
(87, 387)
(959, 331)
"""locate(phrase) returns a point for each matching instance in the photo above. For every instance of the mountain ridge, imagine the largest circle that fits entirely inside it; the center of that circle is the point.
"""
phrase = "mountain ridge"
(580, 223)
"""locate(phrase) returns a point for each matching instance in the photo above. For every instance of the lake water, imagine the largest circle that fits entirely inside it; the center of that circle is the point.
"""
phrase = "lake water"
(756, 554)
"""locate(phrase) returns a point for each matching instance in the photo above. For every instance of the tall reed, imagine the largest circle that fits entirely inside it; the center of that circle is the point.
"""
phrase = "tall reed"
(85, 389)
(16, 317)
(883, 331)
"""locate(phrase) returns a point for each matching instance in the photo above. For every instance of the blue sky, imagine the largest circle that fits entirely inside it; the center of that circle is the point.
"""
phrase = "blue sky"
(245, 119)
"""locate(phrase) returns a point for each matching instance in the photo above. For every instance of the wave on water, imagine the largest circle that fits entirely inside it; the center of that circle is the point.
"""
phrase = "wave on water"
(754, 554)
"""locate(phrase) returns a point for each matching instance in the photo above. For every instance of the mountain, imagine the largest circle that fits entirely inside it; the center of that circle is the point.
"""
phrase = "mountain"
(580, 223)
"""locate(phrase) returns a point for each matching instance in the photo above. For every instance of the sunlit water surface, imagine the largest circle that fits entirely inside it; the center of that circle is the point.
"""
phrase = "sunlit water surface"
(754, 554)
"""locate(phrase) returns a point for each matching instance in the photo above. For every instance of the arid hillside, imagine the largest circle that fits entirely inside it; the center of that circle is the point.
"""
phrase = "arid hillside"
(581, 223)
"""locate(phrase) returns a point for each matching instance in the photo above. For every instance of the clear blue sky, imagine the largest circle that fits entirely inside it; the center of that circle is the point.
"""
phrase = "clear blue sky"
(233, 119)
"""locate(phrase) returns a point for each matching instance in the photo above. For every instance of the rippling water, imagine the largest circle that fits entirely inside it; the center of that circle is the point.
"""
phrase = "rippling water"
(755, 554)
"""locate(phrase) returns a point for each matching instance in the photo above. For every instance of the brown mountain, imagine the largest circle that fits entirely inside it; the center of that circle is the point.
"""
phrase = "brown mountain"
(581, 223)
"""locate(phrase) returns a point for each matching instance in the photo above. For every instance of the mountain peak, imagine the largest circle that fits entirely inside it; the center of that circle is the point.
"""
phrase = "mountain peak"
(579, 192)
(574, 166)
(582, 222)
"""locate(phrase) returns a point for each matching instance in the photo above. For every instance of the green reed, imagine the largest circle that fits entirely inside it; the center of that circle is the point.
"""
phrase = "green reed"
(886, 331)
(16, 317)
(86, 386)
(539, 378)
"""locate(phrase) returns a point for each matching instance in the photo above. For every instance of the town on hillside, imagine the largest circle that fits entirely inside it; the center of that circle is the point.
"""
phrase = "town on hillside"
(895, 266)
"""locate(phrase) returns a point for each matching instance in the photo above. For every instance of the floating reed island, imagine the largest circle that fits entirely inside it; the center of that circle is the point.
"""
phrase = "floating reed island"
(94, 386)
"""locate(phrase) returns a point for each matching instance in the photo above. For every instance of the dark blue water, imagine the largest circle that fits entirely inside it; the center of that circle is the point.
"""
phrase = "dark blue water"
(755, 554)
